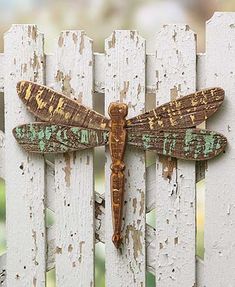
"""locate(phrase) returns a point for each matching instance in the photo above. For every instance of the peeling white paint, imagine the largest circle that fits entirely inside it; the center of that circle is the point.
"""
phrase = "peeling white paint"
(24, 174)
(220, 180)
(74, 182)
(175, 183)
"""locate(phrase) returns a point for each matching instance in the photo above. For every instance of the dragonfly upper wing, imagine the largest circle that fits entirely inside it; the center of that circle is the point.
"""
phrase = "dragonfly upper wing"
(185, 112)
(190, 144)
(50, 106)
(48, 138)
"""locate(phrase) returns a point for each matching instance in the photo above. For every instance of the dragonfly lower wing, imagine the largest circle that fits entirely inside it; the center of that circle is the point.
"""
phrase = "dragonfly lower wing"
(190, 144)
(48, 138)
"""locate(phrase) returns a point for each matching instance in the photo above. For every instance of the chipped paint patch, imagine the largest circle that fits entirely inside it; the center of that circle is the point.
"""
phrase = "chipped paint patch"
(174, 93)
(136, 239)
(123, 92)
(169, 164)
(112, 43)
(81, 46)
(67, 169)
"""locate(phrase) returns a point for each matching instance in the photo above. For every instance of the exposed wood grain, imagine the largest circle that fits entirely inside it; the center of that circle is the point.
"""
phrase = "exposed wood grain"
(125, 82)
(25, 211)
(74, 178)
(219, 255)
(175, 182)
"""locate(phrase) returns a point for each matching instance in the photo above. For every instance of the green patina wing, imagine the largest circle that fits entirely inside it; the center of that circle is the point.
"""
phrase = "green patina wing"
(190, 144)
(51, 106)
(185, 112)
(48, 138)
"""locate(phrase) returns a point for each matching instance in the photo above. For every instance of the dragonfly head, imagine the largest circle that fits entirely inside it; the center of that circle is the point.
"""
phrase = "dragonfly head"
(118, 111)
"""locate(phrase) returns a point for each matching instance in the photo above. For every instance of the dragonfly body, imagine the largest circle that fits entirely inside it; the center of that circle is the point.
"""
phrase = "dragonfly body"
(117, 144)
(169, 130)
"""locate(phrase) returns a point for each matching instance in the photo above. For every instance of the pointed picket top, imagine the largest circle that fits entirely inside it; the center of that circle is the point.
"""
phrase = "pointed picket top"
(175, 66)
(219, 230)
(74, 176)
(26, 266)
(125, 82)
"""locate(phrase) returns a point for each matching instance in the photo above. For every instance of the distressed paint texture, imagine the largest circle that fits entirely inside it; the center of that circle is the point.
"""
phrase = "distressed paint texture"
(125, 82)
(99, 214)
(48, 105)
(48, 138)
(189, 144)
(26, 259)
(188, 111)
(74, 171)
(220, 181)
(175, 187)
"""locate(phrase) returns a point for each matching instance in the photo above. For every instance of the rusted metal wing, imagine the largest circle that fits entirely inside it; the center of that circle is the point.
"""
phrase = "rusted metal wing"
(50, 106)
(190, 144)
(186, 112)
(50, 138)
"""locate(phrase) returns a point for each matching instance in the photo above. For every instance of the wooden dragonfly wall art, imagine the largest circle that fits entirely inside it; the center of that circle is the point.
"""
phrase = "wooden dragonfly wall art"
(169, 129)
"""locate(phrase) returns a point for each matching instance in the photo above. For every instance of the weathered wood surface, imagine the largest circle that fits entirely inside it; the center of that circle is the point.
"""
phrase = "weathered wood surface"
(189, 111)
(25, 211)
(189, 144)
(74, 178)
(99, 72)
(175, 182)
(50, 106)
(117, 146)
(49, 138)
(220, 181)
(125, 82)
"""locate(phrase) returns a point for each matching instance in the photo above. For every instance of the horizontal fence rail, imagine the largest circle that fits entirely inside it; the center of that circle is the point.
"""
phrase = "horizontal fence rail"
(83, 217)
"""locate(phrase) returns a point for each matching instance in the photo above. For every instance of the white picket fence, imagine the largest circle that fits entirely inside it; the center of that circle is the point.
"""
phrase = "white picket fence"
(124, 72)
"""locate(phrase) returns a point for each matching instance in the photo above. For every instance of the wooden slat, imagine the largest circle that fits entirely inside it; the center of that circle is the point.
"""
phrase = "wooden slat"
(220, 180)
(99, 75)
(26, 260)
(74, 171)
(175, 182)
(125, 82)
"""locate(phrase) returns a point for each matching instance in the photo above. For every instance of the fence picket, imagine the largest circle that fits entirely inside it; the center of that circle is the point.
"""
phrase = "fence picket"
(175, 180)
(125, 82)
(74, 171)
(120, 72)
(220, 180)
(26, 258)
